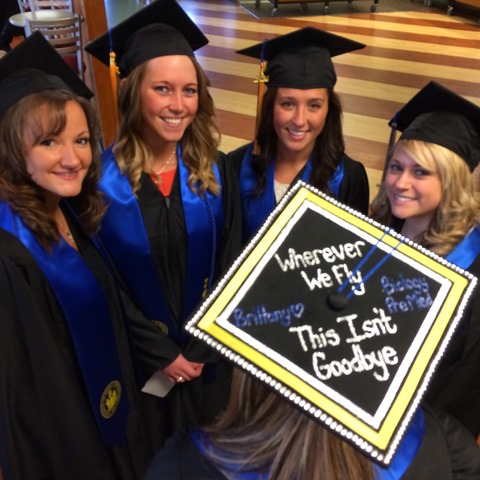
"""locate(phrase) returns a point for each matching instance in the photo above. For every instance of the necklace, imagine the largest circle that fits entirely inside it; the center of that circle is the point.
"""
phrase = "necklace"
(69, 238)
(157, 175)
(64, 230)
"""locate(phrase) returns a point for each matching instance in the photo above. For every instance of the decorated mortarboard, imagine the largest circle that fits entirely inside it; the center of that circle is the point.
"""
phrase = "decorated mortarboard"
(438, 115)
(340, 315)
(159, 29)
(33, 66)
(301, 59)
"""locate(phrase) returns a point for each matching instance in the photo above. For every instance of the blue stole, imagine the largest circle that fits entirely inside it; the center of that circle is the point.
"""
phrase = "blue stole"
(87, 314)
(256, 208)
(467, 250)
(406, 452)
(123, 232)
(202, 443)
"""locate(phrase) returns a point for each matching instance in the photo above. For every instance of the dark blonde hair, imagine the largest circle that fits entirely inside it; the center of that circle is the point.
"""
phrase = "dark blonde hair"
(261, 432)
(20, 128)
(459, 208)
(199, 143)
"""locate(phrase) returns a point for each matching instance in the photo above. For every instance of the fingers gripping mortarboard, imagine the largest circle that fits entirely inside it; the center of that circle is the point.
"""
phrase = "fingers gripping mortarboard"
(33, 66)
(438, 115)
(161, 28)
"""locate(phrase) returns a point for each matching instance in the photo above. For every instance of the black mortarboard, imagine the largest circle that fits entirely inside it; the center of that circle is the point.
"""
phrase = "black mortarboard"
(33, 66)
(438, 115)
(157, 30)
(302, 59)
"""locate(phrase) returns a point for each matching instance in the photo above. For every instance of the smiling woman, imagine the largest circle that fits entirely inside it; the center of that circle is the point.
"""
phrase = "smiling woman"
(173, 222)
(299, 134)
(58, 160)
(428, 195)
(64, 345)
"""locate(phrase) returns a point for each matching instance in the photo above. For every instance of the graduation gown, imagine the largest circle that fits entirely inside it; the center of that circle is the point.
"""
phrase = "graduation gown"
(47, 428)
(454, 453)
(351, 188)
(455, 386)
(163, 222)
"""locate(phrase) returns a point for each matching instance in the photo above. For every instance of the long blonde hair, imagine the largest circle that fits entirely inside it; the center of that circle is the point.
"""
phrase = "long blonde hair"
(459, 208)
(261, 432)
(199, 143)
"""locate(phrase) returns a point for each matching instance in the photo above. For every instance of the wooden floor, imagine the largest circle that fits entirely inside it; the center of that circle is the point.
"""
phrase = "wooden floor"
(404, 52)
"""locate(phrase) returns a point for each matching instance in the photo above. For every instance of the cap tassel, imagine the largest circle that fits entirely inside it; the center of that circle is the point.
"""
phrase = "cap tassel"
(262, 79)
(113, 80)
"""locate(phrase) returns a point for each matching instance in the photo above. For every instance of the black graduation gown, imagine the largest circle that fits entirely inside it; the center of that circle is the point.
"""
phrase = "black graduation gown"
(455, 386)
(354, 190)
(197, 401)
(47, 428)
(447, 452)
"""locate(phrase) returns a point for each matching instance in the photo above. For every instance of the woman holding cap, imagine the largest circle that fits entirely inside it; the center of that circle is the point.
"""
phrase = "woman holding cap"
(428, 195)
(174, 220)
(262, 436)
(69, 404)
(299, 134)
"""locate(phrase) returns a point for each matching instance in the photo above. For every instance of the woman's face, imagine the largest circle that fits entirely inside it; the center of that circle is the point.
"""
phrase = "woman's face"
(169, 98)
(58, 163)
(299, 117)
(413, 191)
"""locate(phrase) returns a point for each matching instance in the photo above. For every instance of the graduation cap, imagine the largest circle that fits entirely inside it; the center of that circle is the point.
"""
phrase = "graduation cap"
(33, 66)
(359, 367)
(301, 59)
(159, 29)
(438, 115)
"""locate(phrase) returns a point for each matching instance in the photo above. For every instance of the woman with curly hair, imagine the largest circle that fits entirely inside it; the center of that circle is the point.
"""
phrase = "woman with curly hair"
(428, 195)
(69, 404)
(299, 134)
(173, 220)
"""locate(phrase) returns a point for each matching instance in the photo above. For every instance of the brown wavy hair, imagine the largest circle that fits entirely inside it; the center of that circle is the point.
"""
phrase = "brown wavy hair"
(26, 198)
(199, 143)
(261, 432)
(459, 209)
(327, 151)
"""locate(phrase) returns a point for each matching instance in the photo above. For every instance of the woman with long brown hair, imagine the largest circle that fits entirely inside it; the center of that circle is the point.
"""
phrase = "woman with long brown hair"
(69, 404)
(299, 134)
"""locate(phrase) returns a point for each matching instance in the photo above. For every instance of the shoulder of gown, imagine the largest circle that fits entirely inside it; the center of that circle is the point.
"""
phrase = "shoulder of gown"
(179, 459)
(456, 454)
(354, 190)
(236, 157)
(455, 387)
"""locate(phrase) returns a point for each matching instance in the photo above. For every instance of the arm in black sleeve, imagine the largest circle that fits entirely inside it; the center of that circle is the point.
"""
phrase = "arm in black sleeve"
(154, 349)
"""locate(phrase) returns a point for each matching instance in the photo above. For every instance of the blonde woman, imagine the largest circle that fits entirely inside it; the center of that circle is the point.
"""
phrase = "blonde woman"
(173, 222)
(428, 195)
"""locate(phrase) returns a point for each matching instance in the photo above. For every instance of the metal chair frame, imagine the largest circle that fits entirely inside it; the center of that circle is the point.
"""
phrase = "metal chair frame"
(65, 35)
